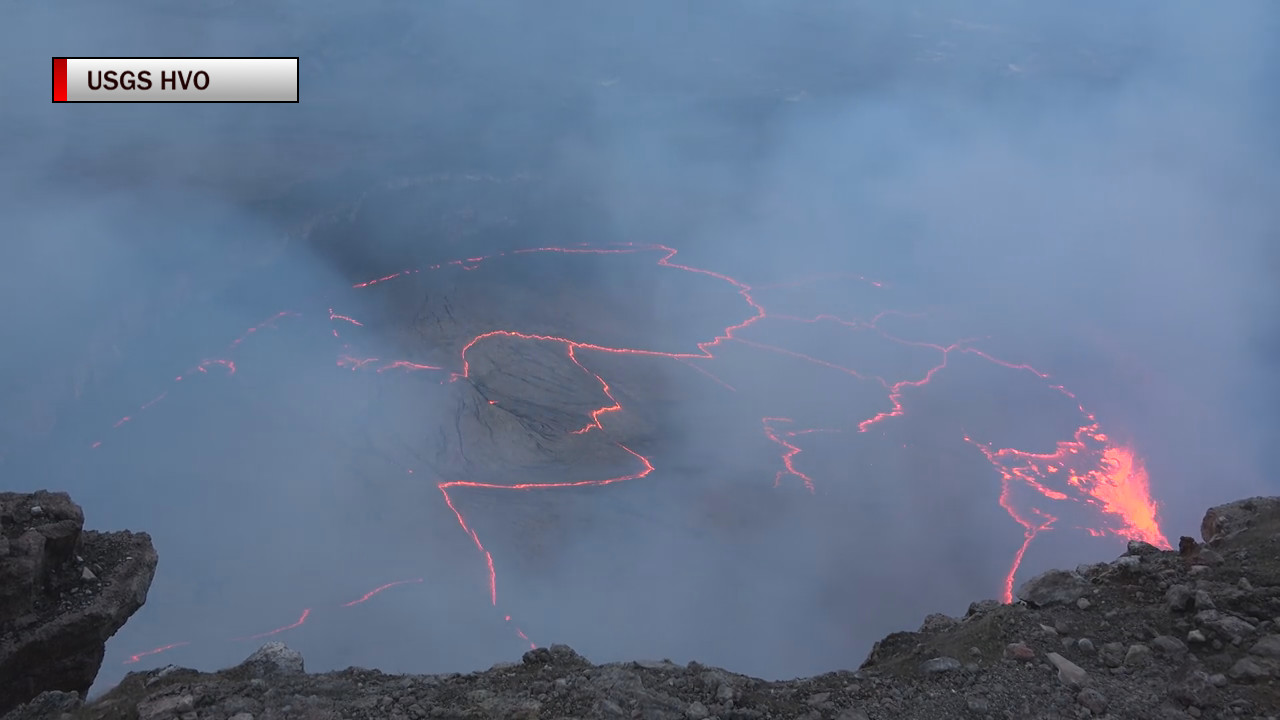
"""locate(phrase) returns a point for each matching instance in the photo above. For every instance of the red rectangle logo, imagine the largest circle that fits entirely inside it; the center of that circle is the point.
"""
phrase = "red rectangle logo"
(59, 79)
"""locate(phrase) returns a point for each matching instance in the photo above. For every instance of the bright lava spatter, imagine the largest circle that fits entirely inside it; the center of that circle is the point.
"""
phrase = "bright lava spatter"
(1109, 476)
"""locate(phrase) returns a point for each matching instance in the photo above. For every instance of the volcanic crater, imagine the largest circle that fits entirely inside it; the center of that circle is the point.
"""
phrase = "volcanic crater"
(615, 446)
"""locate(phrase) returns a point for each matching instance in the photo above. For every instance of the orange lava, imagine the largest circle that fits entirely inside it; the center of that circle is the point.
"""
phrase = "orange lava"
(647, 467)
(297, 623)
(1110, 476)
(154, 651)
(302, 619)
(203, 368)
(365, 597)
(1088, 468)
(780, 437)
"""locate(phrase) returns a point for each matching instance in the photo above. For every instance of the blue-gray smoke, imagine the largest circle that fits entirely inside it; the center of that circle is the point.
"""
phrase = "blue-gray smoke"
(1092, 184)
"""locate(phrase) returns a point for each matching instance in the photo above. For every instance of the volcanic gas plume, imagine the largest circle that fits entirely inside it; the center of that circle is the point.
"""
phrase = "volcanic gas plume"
(1086, 474)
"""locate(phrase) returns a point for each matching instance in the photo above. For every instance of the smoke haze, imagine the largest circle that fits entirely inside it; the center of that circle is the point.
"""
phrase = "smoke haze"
(1087, 189)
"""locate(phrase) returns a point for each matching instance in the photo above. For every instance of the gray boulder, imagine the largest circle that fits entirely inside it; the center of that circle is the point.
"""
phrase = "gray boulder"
(272, 659)
(1224, 522)
(1055, 587)
(54, 621)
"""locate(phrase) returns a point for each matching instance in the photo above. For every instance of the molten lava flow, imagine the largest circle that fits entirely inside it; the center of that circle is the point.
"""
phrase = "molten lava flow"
(406, 365)
(298, 623)
(1088, 469)
(772, 432)
(647, 467)
(1110, 475)
(344, 318)
(1121, 484)
(137, 657)
(203, 368)
(365, 597)
(613, 407)
(302, 619)
(1121, 491)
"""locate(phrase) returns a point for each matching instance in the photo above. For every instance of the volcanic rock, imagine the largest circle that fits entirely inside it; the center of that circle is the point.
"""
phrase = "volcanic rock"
(1169, 645)
(1069, 673)
(1128, 663)
(1138, 547)
(1092, 699)
(1055, 587)
(165, 707)
(1129, 562)
(48, 704)
(1248, 669)
(1179, 597)
(1227, 627)
(1137, 655)
(1226, 521)
(1112, 654)
(274, 658)
(939, 665)
(1268, 646)
(54, 619)
(937, 622)
(1019, 651)
(1186, 545)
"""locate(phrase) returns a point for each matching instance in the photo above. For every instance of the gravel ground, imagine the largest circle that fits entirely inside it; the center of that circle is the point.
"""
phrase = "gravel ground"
(1187, 633)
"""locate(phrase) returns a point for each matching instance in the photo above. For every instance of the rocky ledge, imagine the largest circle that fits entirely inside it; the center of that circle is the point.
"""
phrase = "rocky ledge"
(1189, 633)
(63, 593)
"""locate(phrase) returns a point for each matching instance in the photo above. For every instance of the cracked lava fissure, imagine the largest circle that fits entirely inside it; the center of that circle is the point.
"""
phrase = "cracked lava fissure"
(1086, 468)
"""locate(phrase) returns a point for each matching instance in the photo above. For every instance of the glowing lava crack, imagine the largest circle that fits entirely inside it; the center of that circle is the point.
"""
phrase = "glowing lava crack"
(1087, 468)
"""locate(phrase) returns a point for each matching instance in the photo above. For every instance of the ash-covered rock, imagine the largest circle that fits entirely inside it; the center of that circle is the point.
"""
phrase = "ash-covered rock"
(48, 704)
(274, 658)
(1193, 633)
(63, 593)
(1056, 587)
(1225, 522)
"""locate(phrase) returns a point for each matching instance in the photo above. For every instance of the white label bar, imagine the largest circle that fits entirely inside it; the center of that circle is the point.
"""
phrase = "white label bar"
(219, 80)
